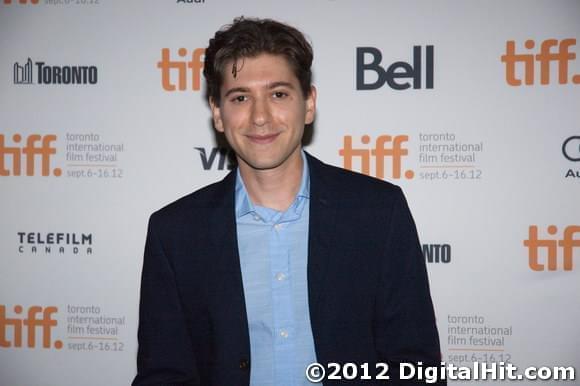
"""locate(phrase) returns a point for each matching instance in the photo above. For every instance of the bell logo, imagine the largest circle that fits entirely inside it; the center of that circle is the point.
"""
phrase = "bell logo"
(166, 65)
(29, 153)
(386, 147)
(567, 245)
(396, 74)
(545, 57)
(37, 318)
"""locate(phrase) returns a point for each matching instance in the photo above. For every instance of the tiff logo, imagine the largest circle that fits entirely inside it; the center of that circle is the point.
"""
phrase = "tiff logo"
(386, 147)
(168, 67)
(31, 323)
(22, 1)
(566, 244)
(29, 152)
(23, 74)
(399, 75)
(546, 56)
(208, 161)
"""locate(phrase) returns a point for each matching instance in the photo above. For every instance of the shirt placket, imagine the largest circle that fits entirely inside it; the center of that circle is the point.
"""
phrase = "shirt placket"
(284, 329)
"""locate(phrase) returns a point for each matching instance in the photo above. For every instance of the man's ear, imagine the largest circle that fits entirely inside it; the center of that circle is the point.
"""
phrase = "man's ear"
(311, 105)
(216, 115)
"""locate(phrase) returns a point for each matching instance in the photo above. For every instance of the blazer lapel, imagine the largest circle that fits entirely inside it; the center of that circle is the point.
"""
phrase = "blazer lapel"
(228, 276)
(320, 236)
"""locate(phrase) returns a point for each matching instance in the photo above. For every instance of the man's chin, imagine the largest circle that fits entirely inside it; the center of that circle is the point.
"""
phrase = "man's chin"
(262, 164)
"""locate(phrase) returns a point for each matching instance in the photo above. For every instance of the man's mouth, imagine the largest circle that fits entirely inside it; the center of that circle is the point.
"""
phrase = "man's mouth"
(263, 139)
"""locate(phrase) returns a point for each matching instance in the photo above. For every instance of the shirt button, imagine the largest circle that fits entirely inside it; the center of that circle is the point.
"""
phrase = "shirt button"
(244, 364)
(278, 226)
(257, 218)
(284, 334)
(280, 276)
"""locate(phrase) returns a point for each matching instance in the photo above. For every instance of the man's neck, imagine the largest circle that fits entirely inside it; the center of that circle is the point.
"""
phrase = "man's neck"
(274, 188)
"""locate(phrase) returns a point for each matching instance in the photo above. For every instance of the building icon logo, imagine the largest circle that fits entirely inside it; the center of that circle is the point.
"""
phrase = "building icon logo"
(23, 73)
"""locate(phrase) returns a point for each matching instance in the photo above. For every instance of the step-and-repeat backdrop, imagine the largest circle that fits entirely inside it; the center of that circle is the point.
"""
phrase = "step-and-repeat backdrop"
(472, 107)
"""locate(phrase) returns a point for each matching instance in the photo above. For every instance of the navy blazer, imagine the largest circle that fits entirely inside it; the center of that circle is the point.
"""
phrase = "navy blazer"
(367, 283)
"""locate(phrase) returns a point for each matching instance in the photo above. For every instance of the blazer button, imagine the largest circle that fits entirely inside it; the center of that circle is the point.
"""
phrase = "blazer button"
(244, 364)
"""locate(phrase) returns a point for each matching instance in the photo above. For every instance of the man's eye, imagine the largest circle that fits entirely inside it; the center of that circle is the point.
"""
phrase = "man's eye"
(239, 98)
(280, 94)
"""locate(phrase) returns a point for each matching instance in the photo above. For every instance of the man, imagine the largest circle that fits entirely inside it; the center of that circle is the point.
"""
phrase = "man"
(287, 261)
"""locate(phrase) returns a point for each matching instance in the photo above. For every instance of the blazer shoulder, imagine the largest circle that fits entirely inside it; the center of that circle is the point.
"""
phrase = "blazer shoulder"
(205, 198)
(356, 184)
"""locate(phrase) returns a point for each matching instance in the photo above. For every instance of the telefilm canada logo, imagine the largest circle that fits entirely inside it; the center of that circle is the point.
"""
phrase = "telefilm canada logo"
(54, 243)
(41, 73)
(571, 151)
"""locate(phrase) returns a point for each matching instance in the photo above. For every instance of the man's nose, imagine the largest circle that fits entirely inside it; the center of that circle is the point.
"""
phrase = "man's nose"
(260, 112)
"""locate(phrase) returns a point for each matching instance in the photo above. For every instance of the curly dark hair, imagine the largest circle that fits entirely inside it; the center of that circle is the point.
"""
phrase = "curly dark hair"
(250, 37)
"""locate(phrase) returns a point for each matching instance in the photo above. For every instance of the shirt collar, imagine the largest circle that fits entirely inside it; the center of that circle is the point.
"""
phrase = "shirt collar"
(244, 205)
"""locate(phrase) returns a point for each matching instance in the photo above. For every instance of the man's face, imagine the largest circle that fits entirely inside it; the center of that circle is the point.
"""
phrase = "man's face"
(263, 111)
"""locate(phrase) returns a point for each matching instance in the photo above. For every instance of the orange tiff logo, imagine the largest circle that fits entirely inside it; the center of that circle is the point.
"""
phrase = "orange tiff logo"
(22, 1)
(561, 55)
(195, 65)
(566, 246)
(36, 318)
(385, 147)
(36, 146)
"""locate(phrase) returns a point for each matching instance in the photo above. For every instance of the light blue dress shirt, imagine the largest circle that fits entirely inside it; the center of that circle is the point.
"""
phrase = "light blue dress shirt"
(273, 249)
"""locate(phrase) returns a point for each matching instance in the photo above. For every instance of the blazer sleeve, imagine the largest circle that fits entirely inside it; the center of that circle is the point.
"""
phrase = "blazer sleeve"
(165, 355)
(405, 329)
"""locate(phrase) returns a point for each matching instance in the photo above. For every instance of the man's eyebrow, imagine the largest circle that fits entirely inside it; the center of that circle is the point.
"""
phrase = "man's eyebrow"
(281, 84)
(236, 89)
(270, 86)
